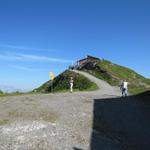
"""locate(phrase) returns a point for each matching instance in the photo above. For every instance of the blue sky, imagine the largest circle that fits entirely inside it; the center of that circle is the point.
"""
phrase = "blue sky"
(39, 36)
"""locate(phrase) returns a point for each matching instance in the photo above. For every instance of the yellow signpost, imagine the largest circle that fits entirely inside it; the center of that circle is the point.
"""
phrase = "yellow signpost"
(51, 79)
(51, 76)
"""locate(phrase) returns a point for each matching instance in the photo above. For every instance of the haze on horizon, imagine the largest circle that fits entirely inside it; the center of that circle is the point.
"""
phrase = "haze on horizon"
(42, 36)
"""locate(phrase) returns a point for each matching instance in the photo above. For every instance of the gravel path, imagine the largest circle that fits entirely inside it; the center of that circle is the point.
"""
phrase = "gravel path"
(62, 121)
(104, 87)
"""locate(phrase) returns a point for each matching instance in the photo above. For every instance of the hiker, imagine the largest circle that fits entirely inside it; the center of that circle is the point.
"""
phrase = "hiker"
(71, 84)
(124, 88)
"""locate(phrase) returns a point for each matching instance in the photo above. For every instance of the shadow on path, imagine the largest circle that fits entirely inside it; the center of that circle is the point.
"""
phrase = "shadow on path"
(74, 148)
(121, 123)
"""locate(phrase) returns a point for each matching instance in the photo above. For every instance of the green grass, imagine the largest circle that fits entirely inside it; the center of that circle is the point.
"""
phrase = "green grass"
(16, 94)
(61, 83)
(134, 91)
(114, 74)
(48, 116)
(93, 87)
(4, 122)
(11, 94)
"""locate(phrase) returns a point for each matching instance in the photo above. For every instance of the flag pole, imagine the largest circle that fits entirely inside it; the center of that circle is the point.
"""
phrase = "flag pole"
(51, 80)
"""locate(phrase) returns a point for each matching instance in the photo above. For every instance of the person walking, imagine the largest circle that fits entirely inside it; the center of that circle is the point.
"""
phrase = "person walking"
(124, 88)
(71, 84)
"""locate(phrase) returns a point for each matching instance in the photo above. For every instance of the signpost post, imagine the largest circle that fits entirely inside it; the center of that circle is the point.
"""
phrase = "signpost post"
(51, 80)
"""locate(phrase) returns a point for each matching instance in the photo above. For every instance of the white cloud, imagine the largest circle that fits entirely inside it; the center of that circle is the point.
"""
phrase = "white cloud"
(24, 68)
(28, 57)
(24, 48)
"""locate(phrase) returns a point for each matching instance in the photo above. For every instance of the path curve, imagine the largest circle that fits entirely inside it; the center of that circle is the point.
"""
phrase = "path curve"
(104, 87)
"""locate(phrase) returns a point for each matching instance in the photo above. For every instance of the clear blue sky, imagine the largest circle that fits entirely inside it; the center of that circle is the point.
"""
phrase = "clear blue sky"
(39, 36)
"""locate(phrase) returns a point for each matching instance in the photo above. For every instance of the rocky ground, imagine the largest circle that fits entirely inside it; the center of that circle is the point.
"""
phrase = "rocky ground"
(62, 121)
(46, 122)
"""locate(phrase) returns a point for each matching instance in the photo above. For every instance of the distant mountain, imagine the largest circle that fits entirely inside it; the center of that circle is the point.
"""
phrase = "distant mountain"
(9, 89)
(114, 74)
(61, 83)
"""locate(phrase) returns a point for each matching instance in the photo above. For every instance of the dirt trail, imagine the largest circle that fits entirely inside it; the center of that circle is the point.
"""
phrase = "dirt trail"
(104, 87)
(98, 120)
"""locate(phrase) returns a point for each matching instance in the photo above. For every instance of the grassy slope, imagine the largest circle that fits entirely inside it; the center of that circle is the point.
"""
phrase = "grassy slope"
(16, 94)
(61, 83)
(113, 74)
